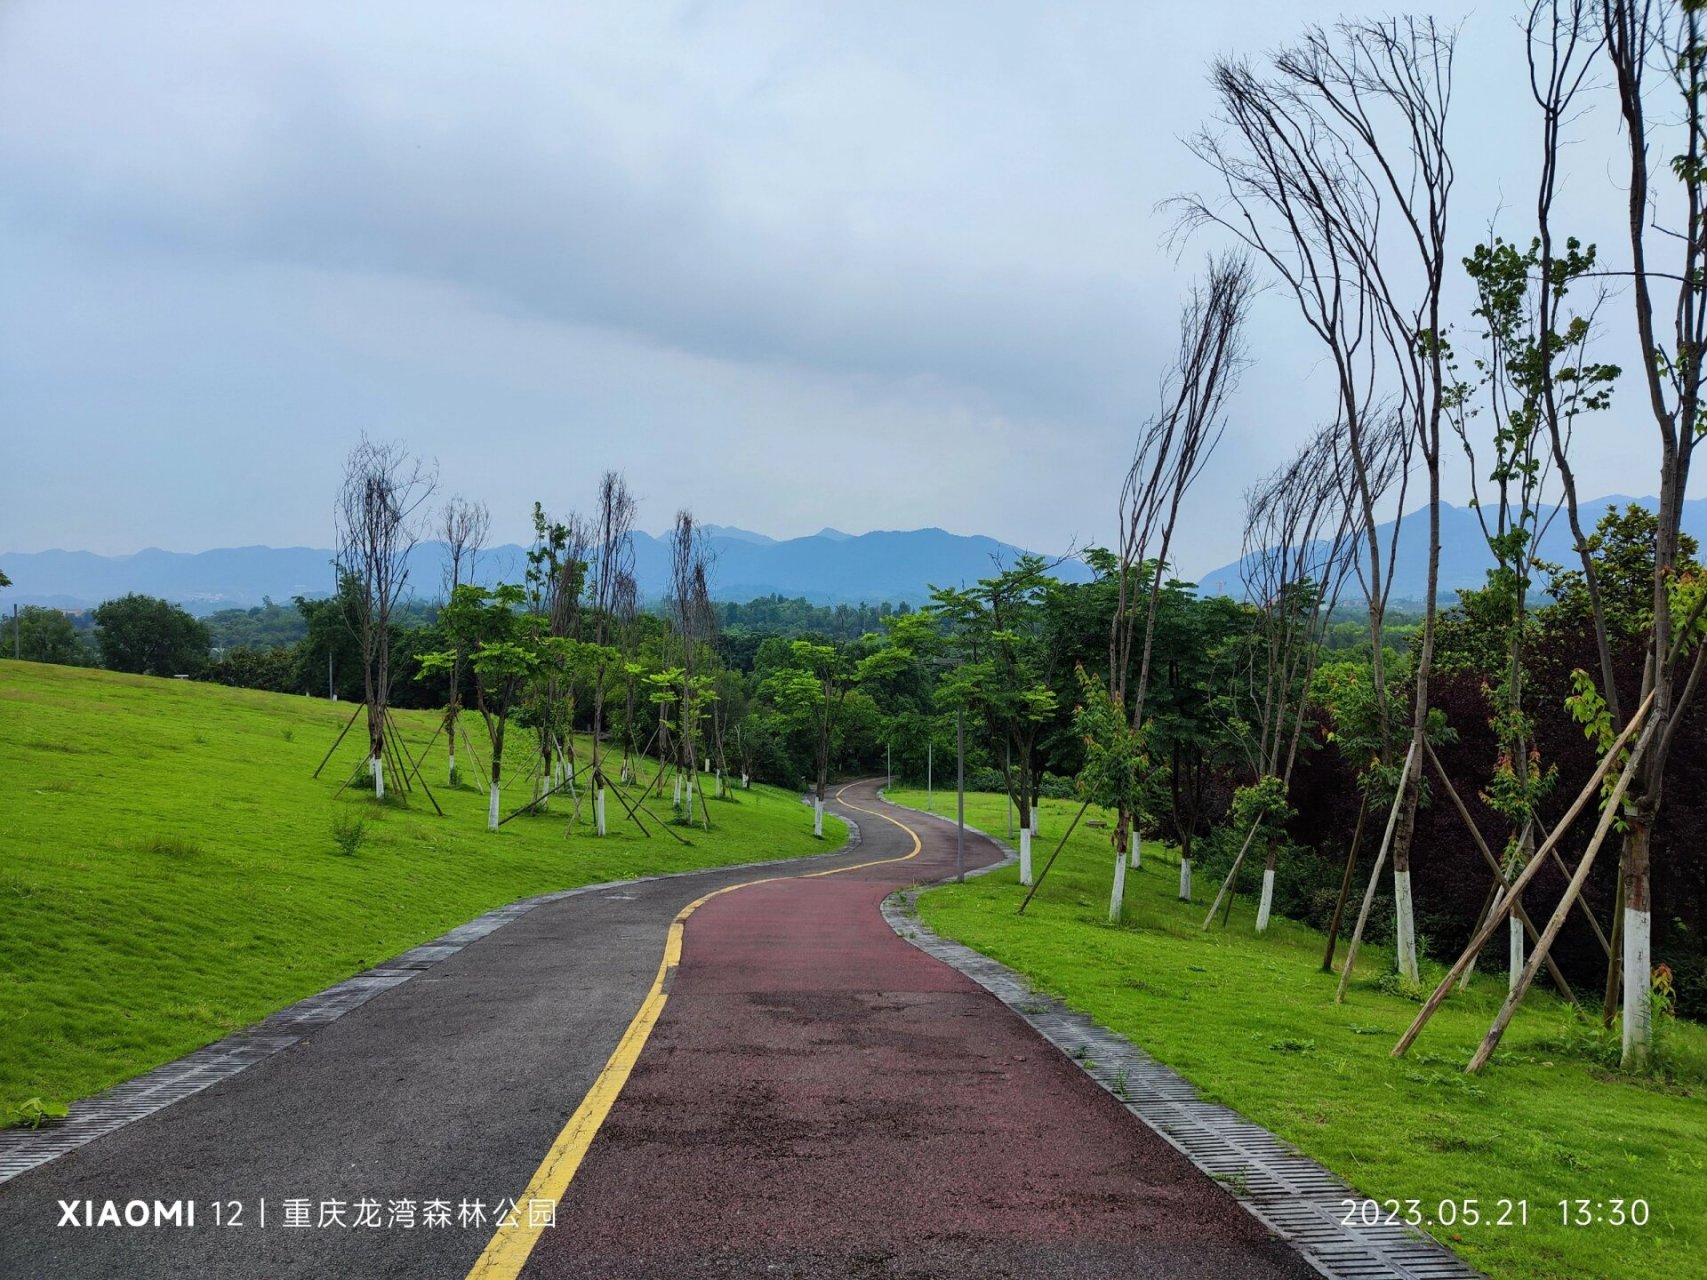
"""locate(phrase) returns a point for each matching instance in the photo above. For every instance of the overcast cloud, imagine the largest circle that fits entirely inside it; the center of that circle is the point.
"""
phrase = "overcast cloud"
(871, 266)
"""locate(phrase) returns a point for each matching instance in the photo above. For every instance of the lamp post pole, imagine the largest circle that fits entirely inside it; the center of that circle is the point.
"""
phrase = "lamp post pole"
(929, 748)
(960, 834)
(1008, 773)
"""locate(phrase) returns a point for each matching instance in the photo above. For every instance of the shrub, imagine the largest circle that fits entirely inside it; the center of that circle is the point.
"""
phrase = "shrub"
(349, 832)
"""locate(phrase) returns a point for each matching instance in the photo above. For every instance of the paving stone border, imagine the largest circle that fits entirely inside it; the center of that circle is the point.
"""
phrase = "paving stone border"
(1294, 1197)
(24, 1149)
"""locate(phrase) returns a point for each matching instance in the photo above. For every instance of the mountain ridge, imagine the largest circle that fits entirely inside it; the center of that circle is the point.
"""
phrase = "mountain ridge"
(830, 567)
(1464, 556)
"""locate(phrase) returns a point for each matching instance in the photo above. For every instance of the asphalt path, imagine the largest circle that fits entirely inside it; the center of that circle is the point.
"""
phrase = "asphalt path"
(817, 1098)
(447, 1088)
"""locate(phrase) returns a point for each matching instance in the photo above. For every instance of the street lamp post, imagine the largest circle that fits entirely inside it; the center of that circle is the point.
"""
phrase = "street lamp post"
(960, 834)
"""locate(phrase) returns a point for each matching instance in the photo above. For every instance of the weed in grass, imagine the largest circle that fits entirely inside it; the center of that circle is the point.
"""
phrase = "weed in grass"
(349, 832)
(31, 1113)
(1292, 1045)
(173, 847)
(288, 734)
(1395, 983)
(1120, 1089)
(1237, 1182)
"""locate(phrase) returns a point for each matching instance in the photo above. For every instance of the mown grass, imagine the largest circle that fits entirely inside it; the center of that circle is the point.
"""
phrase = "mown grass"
(169, 869)
(1251, 1022)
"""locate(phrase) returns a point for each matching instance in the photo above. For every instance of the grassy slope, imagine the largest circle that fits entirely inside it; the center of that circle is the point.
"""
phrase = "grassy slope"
(168, 874)
(1252, 1023)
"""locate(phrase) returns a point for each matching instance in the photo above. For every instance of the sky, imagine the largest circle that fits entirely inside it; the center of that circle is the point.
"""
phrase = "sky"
(871, 266)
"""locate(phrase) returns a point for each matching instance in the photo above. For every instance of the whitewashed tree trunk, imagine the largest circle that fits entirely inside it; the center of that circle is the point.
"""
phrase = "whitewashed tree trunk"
(1266, 903)
(1034, 820)
(1117, 899)
(450, 774)
(1638, 986)
(1025, 855)
(1514, 939)
(492, 808)
(817, 817)
(1406, 939)
(1137, 849)
(599, 810)
(1185, 879)
(678, 796)
(376, 766)
(746, 782)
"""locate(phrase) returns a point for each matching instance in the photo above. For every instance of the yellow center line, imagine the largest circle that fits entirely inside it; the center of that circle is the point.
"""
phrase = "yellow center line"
(510, 1247)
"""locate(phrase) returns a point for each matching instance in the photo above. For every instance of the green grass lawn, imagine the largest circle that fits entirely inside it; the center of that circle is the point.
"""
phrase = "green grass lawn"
(1252, 1023)
(168, 871)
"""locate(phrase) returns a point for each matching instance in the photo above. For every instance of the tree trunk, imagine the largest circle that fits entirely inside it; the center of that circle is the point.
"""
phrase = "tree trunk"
(1025, 855)
(1638, 956)
(1404, 914)
(1267, 902)
(1117, 899)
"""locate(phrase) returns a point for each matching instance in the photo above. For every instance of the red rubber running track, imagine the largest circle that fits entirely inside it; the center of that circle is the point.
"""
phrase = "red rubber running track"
(820, 1098)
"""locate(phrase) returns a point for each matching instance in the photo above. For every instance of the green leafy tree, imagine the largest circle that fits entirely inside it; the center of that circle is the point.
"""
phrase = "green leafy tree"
(508, 648)
(148, 636)
(44, 635)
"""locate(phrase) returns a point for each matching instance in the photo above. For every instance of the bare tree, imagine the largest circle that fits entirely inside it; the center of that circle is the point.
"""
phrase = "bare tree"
(1171, 453)
(612, 587)
(557, 576)
(690, 599)
(1335, 170)
(1299, 539)
(463, 526)
(383, 491)
(1641, 35)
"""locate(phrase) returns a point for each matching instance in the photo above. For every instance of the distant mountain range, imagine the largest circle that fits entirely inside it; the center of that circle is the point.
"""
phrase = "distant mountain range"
(830, 567)
(1464, 557)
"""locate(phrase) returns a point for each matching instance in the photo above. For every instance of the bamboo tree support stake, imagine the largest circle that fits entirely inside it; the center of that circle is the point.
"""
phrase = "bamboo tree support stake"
(1231, 872)
(1041, 874)
(1499, 875)
(394, 751)
(539, 799)
(402, 749)
(1535, 864)
(623, 801)
(479, 768)
(1374, 877)
(348, 724)
(1345, 886)
(1495, 896)
(1608, 815)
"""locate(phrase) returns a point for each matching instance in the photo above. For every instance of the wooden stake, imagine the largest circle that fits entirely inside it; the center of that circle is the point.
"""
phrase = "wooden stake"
(347, 726)
(1374, 878)
(1345, 886)
(1499, 875)
(1034, 888)
(1608, 815)
(1558, 833)
(1231, 872)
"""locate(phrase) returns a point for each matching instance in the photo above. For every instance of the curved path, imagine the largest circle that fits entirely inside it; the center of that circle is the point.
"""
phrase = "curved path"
(802, 1093)
(819, 1098)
